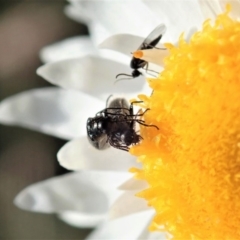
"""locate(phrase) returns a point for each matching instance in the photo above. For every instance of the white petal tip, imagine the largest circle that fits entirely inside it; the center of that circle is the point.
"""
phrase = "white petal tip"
(80, 220)
(40, 71)
(25, 201)
(3, 113)
(32, 201)
(64, 159)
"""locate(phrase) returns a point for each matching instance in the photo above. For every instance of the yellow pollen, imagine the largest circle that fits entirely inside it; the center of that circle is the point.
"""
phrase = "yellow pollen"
(138, 54)
(192, 163)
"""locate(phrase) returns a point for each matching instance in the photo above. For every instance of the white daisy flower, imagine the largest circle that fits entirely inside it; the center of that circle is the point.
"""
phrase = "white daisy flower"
(85, 77)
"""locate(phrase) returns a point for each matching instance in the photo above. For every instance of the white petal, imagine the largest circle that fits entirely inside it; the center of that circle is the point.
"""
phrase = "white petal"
(124, 43)
(93, 75)
(97, 31)
(129, 227)
(54, 111)
(77, 219)
(215, 7)
(124, 16)
(85, 192)
(146, 234)
(79, 154)
(235, 4)
(210, 8)
(178, 16)
(75, 12)
(74, 47)
(133, 184)
(128, 204)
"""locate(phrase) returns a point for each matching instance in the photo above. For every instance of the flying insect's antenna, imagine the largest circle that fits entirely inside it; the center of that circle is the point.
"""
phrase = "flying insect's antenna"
(124, 74)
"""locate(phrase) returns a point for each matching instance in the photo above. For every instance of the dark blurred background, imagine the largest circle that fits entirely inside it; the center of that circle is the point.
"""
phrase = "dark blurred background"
(26, 156)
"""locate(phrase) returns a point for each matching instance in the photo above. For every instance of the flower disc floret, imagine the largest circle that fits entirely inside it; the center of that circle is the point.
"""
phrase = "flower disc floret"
(192, 164)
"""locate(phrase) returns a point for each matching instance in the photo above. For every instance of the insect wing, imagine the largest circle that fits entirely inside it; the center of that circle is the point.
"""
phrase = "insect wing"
(153, 38)
(118, 106)
(118, 103)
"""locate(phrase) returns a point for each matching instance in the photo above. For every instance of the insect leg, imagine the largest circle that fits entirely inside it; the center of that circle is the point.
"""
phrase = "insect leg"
(114, 143)
(149, 70)
(144, 124)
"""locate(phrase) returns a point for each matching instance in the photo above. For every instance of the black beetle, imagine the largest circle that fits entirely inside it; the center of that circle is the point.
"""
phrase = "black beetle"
(115, 126)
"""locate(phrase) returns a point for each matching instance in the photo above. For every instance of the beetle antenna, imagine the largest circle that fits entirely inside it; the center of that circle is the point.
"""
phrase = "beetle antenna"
(108, 99)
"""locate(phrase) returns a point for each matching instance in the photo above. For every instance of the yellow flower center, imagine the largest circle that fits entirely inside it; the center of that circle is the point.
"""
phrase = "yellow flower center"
(192, 164)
